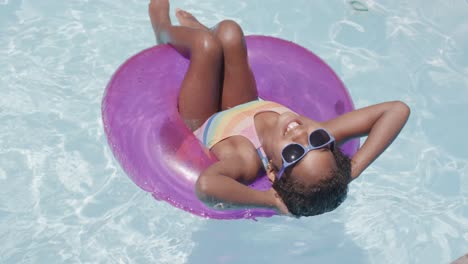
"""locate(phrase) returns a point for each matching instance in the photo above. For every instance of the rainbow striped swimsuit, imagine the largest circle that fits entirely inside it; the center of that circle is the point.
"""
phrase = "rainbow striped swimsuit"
(237, 121)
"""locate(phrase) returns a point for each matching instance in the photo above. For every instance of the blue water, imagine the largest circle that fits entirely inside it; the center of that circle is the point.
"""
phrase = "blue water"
(65, 199)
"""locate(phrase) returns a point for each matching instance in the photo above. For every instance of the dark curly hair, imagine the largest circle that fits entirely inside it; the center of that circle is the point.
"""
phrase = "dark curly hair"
(322, 197)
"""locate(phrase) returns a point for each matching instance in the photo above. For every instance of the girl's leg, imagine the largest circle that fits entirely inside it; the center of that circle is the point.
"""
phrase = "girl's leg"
(199, 95)
(238, 83)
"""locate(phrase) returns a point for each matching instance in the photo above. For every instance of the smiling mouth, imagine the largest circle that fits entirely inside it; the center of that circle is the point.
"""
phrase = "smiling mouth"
(291, 125)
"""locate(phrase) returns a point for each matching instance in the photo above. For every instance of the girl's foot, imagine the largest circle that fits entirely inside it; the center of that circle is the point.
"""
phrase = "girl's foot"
(159, 14)
(188, 20)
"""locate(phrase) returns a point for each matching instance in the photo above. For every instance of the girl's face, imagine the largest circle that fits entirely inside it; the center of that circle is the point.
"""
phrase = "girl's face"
(293, 128)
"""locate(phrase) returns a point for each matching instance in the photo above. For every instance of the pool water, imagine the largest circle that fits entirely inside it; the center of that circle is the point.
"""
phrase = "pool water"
(65, 199)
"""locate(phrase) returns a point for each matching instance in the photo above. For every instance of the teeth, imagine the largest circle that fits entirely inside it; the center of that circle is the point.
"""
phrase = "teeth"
(291, 126)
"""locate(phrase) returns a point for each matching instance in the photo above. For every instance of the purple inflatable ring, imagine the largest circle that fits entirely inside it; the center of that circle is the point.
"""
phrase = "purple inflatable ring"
(162, 156)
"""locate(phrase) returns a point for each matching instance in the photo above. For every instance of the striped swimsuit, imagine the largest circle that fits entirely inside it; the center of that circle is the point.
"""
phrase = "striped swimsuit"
(237, 121)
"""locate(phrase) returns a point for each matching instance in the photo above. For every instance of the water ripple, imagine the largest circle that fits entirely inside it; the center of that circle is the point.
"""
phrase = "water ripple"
(64, 198)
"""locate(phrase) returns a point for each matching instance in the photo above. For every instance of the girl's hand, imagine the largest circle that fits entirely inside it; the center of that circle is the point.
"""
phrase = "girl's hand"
(277, 202)
(274, 196)
(271, 174)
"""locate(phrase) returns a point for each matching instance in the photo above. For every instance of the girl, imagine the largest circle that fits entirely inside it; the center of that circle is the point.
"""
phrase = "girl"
(218, 101)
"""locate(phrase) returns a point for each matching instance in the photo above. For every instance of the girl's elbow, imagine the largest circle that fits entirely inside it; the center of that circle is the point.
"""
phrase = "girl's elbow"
(402, 108)
(203, 187)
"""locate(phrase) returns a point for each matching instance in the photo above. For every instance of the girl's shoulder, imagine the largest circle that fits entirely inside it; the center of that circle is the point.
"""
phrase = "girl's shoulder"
(239, 152)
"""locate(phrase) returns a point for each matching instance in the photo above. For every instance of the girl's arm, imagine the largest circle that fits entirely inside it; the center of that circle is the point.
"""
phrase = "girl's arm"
(220, 181)
(380, 122)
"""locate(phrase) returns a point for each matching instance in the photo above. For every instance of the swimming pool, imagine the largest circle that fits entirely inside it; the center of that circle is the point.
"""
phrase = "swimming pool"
(64, 198)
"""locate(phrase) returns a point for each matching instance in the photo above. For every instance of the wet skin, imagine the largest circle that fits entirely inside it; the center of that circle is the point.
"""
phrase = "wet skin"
(219, 77)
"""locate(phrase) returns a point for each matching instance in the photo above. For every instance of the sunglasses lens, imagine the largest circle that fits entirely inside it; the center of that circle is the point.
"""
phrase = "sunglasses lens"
(319, 138)
(292, 152)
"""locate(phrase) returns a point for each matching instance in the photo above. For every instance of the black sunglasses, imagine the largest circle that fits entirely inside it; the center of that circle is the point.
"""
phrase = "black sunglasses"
(294, 152)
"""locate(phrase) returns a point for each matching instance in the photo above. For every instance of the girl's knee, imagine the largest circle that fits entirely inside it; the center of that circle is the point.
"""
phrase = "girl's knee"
(229, 33)
(207, 45)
